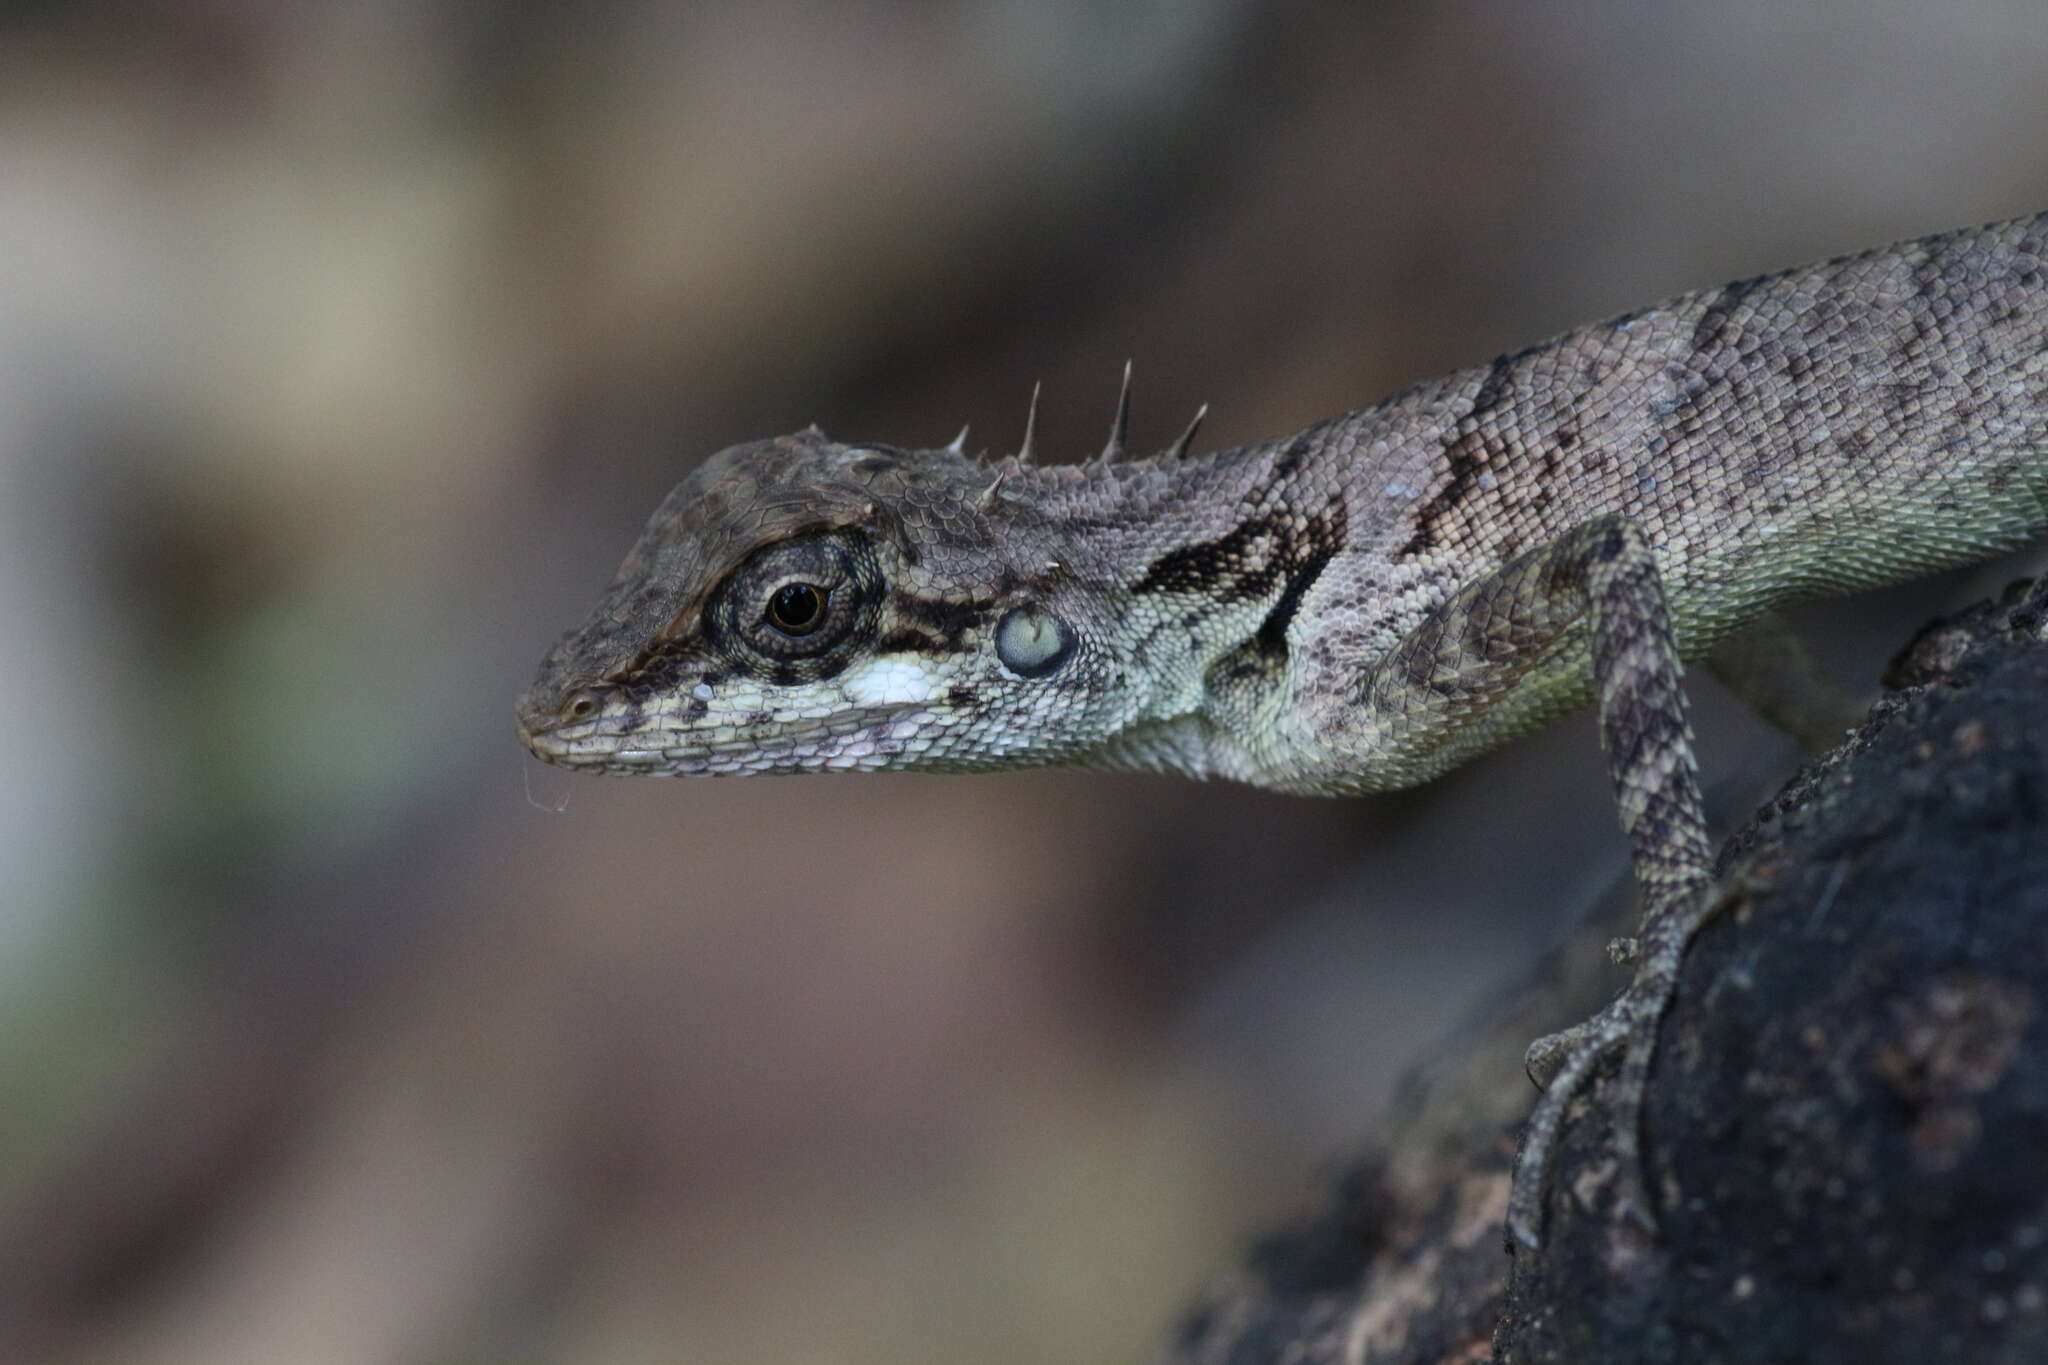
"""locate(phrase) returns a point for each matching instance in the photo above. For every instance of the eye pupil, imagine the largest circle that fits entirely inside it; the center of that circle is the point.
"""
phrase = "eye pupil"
(797, 608)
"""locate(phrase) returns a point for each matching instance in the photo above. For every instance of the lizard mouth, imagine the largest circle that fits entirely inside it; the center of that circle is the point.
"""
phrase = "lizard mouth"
(570, 742)
(584, 748)
(869, 736)
(547, 744)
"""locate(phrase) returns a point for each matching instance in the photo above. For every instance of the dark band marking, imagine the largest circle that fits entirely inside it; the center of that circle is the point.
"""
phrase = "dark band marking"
(1281, 552)
(1244, 667)
(1465, 458)
(912, 641)
(1240, 564)
(1466, 453)
(1297, 450)
(1715, 324)
(1271, 639)
(1291, 457)
(945, 616)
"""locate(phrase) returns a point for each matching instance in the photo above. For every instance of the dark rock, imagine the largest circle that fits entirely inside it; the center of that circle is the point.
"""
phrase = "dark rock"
(1847, 1125)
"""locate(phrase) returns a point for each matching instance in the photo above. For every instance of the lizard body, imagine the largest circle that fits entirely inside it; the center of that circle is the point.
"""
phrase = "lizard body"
(1364, 604)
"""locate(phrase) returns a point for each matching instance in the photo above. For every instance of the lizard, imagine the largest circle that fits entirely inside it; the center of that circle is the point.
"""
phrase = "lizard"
(1367, 603)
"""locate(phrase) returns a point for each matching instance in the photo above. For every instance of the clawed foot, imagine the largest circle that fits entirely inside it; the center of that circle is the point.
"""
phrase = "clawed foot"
(1562, 1064)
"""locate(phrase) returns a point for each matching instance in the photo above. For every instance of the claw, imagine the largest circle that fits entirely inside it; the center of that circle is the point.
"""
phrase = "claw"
(1546, 1124)
(1632, 1021)
(1539, 1063)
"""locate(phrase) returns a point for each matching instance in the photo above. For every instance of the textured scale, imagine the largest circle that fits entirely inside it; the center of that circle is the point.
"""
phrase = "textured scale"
(1796, 435)
(1371, 601)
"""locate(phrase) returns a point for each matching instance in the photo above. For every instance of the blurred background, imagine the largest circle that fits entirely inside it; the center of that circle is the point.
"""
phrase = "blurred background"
(343, 350)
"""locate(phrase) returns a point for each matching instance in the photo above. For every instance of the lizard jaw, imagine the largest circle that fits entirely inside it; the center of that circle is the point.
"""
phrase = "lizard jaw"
(876, 735)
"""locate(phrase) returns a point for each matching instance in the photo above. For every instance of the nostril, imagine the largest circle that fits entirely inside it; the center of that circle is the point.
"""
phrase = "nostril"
(582, 706)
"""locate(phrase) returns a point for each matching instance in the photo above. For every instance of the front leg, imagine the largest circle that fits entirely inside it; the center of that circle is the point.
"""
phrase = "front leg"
(1648, 741)
(1472, 662)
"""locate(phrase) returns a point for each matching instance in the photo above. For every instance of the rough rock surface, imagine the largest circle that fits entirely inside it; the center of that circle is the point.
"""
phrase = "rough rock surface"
(1847, 1128)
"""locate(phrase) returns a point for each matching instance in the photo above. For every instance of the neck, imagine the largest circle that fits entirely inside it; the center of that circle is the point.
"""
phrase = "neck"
(1205, 560)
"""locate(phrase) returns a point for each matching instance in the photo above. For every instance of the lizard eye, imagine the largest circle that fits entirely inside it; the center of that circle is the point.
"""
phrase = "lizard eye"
(798, 608)
(795, 610)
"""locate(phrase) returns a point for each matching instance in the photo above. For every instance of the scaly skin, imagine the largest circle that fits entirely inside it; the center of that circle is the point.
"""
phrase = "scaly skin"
(1365, 604)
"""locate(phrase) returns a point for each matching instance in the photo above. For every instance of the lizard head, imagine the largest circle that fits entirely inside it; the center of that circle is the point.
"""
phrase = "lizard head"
(799, 604)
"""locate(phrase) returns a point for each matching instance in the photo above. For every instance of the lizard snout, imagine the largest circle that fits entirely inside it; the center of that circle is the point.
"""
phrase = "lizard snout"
(542, 714)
